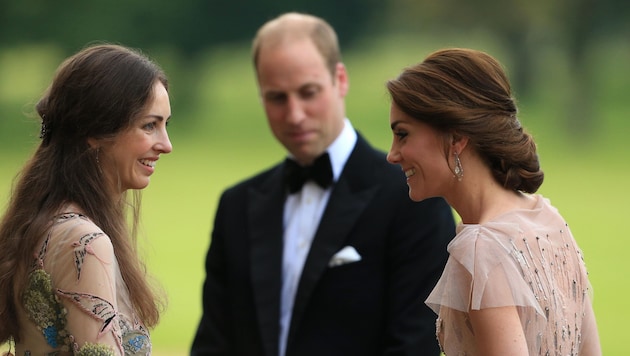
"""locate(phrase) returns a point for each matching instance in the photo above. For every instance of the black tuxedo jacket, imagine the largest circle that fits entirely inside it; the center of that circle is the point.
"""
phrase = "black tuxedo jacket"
(371, 307)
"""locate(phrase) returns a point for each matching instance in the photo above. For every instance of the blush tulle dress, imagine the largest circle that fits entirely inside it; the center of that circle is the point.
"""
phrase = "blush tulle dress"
(525, 258)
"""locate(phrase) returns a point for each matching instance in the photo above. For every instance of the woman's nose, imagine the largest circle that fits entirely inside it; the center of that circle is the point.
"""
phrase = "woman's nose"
(392, 156)
(164, 144)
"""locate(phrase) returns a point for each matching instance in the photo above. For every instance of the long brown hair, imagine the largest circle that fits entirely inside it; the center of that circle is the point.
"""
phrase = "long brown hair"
(466, 92)
(95, 94)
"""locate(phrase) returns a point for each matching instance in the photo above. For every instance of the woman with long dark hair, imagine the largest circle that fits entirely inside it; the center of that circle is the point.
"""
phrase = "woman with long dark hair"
(70, 275)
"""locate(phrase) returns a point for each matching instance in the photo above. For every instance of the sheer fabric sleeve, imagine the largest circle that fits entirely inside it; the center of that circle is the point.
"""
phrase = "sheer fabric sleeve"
(484, 270)
(83, 268)
(529, 260)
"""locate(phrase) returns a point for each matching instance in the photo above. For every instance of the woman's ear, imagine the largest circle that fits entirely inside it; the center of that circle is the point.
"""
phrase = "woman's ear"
(458, 142)
(93, 142)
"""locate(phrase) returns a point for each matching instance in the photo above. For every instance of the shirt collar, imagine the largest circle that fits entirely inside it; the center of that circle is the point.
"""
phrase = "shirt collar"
(341, 148)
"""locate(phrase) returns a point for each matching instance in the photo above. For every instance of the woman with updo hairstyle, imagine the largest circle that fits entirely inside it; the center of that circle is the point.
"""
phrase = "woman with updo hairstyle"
(71, 279)
(515, 282)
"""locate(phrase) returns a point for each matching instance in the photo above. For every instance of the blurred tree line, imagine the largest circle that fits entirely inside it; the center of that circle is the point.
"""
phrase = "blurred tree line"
(524, 28)
(192, 26)
(189, 25)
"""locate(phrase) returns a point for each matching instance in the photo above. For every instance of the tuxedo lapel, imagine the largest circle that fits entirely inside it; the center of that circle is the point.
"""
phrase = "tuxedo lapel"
(350, 196)
(266, 204)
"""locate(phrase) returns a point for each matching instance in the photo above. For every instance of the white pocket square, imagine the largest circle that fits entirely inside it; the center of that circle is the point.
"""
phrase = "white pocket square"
(346, 255)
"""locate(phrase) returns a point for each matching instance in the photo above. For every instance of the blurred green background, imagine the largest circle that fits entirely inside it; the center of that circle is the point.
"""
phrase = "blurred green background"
(569, 62)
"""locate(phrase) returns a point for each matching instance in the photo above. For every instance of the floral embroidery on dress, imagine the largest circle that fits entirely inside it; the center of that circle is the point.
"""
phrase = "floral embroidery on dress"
(90, 349)
(43, 305)
(45, 310)
(135, 340)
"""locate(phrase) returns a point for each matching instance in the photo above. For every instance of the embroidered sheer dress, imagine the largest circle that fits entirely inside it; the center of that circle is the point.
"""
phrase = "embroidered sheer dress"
(527, 259)
(76, 302)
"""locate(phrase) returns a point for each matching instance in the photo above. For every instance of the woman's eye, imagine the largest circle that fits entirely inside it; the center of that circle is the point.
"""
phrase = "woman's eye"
(400, 134)
(149, 126)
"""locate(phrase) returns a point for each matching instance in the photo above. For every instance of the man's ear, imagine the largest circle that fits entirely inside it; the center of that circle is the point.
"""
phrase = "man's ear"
(341, 75)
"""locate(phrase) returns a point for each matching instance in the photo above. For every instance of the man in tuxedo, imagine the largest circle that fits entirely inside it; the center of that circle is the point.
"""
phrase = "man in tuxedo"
(335, 263)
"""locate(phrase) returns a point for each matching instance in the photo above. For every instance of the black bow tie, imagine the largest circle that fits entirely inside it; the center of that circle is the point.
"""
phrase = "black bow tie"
(295, 175)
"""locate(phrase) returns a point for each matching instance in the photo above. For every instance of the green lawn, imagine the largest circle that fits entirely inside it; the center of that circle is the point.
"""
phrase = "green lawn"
(222, 137)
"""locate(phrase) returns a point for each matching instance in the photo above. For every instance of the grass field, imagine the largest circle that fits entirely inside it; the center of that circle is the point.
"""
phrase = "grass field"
(223, 138)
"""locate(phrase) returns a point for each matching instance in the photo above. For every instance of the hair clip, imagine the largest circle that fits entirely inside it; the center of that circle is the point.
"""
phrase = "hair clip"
(43, 131)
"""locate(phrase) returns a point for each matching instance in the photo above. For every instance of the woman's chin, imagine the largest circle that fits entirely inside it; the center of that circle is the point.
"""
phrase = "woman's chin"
(415, 196)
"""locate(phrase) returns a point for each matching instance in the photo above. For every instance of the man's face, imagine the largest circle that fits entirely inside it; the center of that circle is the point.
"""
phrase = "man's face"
(304, 103)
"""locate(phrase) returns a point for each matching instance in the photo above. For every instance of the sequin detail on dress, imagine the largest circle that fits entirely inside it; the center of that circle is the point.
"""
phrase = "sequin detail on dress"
(527, 259)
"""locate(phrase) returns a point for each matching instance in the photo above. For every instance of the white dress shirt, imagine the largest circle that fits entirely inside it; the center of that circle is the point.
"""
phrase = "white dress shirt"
(302, 212)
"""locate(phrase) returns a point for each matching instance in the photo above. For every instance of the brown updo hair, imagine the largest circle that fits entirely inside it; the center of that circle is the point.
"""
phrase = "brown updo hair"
(464, 92)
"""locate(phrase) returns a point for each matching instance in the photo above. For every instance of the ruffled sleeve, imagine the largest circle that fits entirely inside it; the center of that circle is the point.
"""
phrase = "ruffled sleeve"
(485, 269)
(527, 259)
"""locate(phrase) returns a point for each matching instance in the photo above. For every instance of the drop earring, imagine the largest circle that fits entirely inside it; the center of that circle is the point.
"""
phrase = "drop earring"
(98, 162)
(458, 170)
